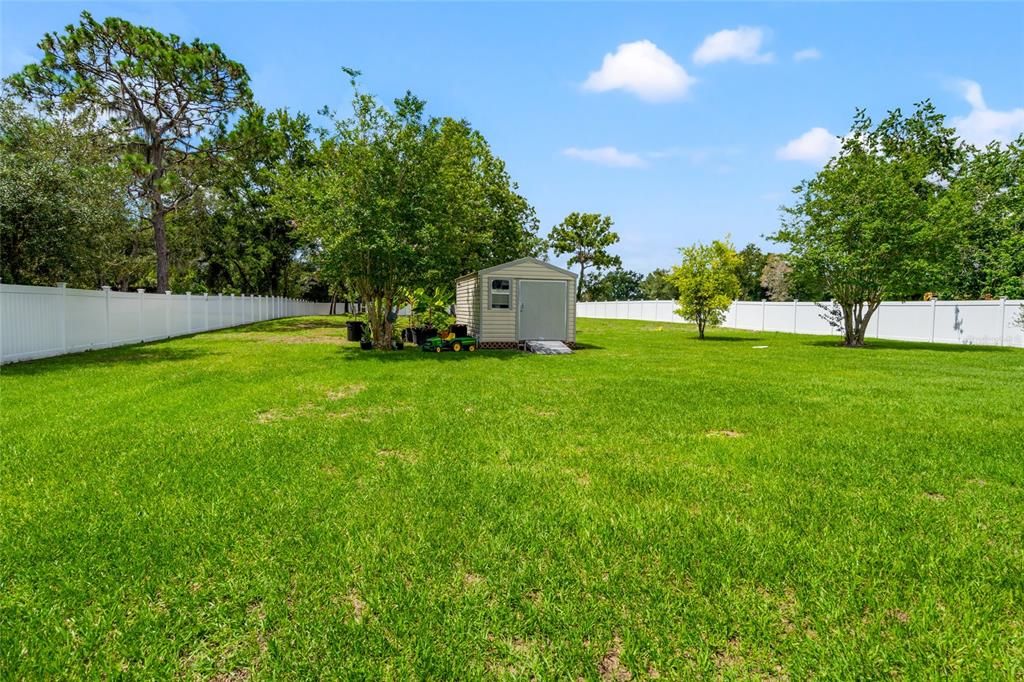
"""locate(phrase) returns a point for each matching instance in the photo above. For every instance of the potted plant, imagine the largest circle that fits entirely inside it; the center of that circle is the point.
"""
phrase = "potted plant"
(396, 342)
(436, 316)
(366, 342)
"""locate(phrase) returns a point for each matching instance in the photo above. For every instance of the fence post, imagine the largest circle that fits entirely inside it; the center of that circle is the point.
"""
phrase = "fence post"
(206, 311)
(878, 321)
(220, 310)
(167, 313)
(63, 286)
(931, 336)
(795, 302)
(1002, 320)
(764, 309)
(232, 310)
(188, 311)
(106, 310)
(142, 315)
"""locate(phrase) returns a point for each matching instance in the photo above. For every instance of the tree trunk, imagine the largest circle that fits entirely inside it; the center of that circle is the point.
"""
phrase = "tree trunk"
(334, 304)
(579, 284)
(700, 328)
(159, 220)
(855, 322)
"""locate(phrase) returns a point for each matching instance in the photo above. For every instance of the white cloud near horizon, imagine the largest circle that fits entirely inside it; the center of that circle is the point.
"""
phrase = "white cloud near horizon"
(741, 44)
(983, 125)
(817, 145)
(606, 156)
(806, 54)
(642, 69)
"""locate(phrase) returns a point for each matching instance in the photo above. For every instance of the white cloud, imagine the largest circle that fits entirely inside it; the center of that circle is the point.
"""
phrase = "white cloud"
(806, 54)
(606, 156)
(741, 44)
(817, 145)
(642, 69)
(983, 125)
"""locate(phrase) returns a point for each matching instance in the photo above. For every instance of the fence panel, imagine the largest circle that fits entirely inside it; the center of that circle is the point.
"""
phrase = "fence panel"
(37, 322)
(964, 322)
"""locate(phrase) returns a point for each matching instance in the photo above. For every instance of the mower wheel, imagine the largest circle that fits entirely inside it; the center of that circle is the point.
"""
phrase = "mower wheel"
(438, 349)
(471, 347)
(456, 346)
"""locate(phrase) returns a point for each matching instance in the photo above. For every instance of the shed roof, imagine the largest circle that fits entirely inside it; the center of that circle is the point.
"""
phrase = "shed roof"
(528, 259)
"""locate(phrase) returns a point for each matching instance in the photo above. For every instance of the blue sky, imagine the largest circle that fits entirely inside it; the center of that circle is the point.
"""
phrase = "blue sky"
(683, 122)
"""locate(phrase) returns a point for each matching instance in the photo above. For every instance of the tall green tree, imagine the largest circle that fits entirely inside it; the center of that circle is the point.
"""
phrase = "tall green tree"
(395, 199)
(615, 285)
(156, 93)
(865, 227)
(707, 282)
(64, 214)
(984, 207)
(658, 286)
(751, 263)
(586, 238)
(233, 235)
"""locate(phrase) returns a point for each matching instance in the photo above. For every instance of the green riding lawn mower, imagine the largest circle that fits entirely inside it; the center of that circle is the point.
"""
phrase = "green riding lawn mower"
(450, 342)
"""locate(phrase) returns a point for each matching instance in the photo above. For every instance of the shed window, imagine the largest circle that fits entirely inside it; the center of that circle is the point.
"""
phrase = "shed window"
(501, 293)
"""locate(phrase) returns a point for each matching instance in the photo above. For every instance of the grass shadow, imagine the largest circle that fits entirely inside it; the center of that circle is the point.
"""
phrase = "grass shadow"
(414, 354)
(122, 356)
(888, 344)
(728, 339)
(289, 324)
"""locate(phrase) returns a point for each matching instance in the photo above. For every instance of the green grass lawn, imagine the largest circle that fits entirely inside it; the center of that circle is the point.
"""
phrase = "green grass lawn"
(271, 502)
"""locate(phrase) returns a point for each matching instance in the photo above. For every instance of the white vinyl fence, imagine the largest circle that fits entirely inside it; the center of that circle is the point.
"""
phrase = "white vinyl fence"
(966, 322)
(37, 322)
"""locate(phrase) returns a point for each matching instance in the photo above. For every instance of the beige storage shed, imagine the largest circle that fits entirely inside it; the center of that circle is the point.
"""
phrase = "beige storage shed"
(524, 300)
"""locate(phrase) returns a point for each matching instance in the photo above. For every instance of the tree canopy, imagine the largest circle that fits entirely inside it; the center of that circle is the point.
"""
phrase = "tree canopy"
(586, 238)
(865, 227)
(155, 93)
(395, 199)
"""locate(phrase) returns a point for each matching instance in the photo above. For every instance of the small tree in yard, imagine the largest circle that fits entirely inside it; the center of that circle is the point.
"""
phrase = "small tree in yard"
(865, 227)
(707, 282)
(586, 237)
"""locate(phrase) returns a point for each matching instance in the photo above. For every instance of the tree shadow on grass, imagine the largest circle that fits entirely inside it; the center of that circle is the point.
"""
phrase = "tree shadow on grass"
(886, 344)
(122, 356)
(726, 339)
(289, 325)
(414, 354)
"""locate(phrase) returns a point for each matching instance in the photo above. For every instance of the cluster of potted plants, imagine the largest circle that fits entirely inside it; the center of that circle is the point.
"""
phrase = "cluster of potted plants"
(429, 313)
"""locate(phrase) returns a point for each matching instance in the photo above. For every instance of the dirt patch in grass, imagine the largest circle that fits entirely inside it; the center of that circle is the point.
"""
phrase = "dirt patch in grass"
(359, 607)
(345, 391)
(236, 675)
(611, 667)
(270, 416)
(471, 580)
(935, 496)
(899, 615)
(724, 433)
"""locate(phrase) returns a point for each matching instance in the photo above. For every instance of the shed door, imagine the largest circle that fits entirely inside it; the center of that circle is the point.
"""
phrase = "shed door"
(542, 310)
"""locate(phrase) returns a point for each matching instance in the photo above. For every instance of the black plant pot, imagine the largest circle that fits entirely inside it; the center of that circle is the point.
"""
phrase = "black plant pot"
(424, 333)
(458, 329)
(366, 345)
(355, 330)
(398, 345)
(408, 335)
